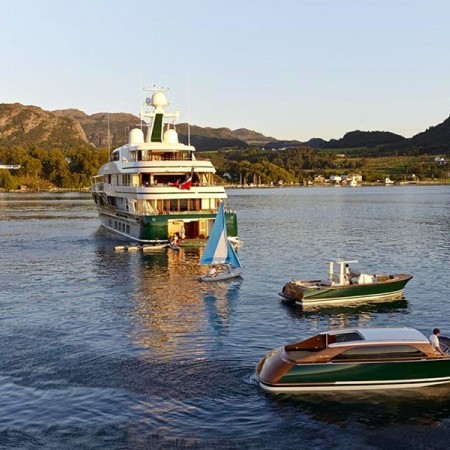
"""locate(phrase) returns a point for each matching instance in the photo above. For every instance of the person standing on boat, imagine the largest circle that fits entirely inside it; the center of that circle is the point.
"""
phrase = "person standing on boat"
(347, 274)
(434, 340)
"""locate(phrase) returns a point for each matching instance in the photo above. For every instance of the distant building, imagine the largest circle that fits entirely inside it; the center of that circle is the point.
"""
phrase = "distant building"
(335, 179)
(440, 161)
(319, 179)
(354, 176)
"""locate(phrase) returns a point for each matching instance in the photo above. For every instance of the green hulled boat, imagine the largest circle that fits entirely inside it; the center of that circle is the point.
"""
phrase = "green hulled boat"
(357, 359)
(346, 286)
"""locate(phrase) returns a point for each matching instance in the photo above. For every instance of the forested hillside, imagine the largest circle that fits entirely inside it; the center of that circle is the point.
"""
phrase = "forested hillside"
(63, 149)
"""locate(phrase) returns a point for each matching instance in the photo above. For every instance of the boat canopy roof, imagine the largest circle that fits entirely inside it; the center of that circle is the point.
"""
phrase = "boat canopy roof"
(376, 335)
(343, 261)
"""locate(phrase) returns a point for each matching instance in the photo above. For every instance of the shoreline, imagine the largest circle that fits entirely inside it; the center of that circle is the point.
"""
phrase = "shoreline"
(237, 186)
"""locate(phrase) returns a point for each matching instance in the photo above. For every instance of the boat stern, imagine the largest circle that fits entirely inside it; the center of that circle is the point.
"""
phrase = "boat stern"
(272, 367)
(292, 291)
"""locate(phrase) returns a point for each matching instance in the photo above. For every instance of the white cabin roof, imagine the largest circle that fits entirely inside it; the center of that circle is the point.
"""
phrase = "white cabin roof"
(384, 335)
(343, 261)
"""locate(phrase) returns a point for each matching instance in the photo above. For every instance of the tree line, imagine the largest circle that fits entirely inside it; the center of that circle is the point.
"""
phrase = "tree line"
(44, 169)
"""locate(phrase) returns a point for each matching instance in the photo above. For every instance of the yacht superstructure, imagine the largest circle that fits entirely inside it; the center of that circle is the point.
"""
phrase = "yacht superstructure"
(153, 187)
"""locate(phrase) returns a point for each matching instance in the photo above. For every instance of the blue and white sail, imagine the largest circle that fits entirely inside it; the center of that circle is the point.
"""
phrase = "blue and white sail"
(218, 249)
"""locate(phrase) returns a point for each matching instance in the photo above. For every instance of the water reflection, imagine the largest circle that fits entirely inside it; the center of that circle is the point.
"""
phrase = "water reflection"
(174, 315)
(354, 309)
(424, 406)
(220, 302)
(46, 206)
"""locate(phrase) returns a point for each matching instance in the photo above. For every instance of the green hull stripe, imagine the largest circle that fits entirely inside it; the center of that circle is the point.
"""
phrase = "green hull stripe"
(354, 291)
(154, 228)
(367, 372)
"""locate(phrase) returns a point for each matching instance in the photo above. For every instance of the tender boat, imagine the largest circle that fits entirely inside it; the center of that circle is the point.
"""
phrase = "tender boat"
(355, 359)
(219, 253)
(346, 285)
(153, 187)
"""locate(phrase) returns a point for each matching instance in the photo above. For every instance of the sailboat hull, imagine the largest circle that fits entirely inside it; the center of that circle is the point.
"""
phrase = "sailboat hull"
(234, 273)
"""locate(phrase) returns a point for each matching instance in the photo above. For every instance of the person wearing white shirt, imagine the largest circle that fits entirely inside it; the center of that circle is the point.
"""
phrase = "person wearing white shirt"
(434, 341)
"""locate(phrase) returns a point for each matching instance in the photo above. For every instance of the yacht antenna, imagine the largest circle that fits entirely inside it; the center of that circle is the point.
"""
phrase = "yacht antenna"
(188, 113)
(109, 137)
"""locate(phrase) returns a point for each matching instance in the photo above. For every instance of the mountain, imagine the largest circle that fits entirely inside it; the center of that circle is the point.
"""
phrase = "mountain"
(252, 137)
(315, 143)
(30, 126)
(96, 129)
(95, 126)
(283, 144)
(365, 139)
(208, 138)
(437, 137)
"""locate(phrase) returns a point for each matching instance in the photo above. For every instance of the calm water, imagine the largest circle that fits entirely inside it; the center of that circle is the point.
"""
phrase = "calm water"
(102, 349)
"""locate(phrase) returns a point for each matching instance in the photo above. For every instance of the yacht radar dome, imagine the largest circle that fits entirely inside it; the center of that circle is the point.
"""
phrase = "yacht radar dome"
(159, 100)
(170, 136)
(136, 136)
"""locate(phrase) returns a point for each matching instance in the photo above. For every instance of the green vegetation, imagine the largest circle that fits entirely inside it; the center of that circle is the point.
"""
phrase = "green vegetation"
(303, 164)
(58, 150)
(45, 169)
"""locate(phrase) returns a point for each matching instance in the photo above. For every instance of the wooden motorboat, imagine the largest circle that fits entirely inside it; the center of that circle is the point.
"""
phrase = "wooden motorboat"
(346, 285)
(355, 359)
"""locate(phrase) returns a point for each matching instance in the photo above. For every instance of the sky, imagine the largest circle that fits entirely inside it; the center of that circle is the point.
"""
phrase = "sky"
(290, 69)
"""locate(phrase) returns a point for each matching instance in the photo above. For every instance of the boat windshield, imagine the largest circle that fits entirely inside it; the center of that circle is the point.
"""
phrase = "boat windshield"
(350, 336)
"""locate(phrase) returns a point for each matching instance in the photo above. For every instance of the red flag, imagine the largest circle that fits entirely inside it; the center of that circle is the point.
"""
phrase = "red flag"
(186, 184)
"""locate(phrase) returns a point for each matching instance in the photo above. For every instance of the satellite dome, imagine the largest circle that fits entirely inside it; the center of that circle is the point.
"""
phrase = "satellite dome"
(136, 136)
(159, 100)
(170, 136)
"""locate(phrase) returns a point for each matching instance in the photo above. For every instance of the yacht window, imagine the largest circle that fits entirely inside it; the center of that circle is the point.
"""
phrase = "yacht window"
(344, 337)
(380, 351)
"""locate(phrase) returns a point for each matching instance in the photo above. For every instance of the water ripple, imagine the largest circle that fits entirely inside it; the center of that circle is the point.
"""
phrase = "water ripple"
(128, 350)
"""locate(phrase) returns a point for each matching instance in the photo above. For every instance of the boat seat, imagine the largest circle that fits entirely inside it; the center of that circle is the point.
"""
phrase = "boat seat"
(364, 278)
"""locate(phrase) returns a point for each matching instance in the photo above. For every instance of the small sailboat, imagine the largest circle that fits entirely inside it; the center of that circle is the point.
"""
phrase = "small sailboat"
(219, 253)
